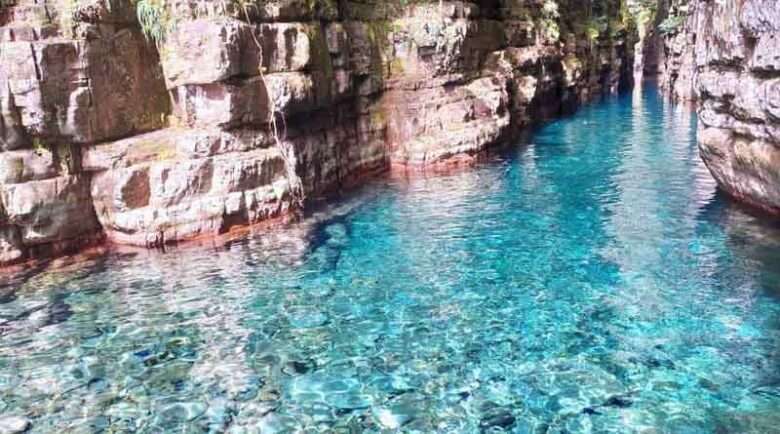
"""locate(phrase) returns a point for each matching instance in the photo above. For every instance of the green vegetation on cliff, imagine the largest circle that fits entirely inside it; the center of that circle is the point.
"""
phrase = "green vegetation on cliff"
(672, 24)
(157, 20)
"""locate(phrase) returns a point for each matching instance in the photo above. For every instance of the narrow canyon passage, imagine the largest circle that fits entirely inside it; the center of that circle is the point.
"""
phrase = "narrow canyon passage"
(589, 279)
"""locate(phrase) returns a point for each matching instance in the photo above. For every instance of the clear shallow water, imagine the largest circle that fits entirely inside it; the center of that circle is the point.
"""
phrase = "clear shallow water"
(590, 280)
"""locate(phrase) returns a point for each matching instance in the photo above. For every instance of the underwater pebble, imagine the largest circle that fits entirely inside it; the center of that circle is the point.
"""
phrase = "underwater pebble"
(348, 402)
(295, 367)
(307, 320)
(14, 424)
(501, 418)
(394, 417)
(267, 395)
(184, 411)
(255, 410)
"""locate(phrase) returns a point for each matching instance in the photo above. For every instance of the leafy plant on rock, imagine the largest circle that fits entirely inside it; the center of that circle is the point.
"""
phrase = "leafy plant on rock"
(550, 16)
(154, 18)
(671, 24)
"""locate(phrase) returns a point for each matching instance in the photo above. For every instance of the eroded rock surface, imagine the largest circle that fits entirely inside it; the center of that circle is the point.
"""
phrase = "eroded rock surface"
(674, 46)
(726, 56)
(107, 134)
(739, 88)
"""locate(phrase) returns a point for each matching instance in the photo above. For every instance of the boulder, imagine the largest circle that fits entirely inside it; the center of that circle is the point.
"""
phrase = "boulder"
(745, 168)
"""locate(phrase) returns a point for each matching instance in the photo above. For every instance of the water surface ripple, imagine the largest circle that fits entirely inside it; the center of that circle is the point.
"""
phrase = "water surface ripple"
(589, 280)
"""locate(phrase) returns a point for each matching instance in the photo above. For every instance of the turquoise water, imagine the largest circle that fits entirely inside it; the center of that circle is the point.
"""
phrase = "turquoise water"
(589, 279)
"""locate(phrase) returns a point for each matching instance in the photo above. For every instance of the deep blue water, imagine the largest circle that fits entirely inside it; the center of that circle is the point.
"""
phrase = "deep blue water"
(589, 279)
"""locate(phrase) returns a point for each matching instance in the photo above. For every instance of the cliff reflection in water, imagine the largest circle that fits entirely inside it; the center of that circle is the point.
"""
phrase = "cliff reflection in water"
(589, 280)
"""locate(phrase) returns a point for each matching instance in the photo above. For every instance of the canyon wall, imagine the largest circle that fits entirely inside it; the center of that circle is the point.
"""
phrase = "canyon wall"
(674, 47)
(739, 98)
(242, 111)
(726, 56)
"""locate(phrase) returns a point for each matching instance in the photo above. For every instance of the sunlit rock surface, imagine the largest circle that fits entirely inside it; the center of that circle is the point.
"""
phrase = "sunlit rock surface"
(590, 279)
(726, 56)
(107, 134)
(739, 84)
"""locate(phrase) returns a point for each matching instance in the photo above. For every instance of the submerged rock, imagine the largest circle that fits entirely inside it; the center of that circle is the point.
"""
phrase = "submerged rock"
(295, 367)
(14, 424)
(494, 415)
(501, 419)
(618, 401)
(590, 411)
(183, 411)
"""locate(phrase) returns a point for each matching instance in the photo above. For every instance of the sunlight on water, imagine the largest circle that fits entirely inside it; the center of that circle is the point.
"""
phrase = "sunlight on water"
(590, 280)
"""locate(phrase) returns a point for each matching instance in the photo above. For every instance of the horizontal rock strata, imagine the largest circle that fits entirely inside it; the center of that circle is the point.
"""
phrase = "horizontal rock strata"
(732, 69)
(238, 114)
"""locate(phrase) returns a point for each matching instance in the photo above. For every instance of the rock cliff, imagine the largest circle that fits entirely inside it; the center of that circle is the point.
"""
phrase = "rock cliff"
(153, 122)
(739, 93)
(675, 48)
(726, 56)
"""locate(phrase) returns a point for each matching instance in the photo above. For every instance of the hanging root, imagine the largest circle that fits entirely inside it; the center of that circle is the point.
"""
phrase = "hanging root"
(287, 148)
(156, 21)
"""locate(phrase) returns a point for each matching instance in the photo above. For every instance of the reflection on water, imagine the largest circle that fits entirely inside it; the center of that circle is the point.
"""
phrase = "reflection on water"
(591, 280)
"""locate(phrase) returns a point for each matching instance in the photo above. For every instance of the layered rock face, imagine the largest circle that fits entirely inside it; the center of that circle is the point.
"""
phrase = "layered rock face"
(739, 97)
(726, 56)
(241, 112)
(674, 46)
(57, 95)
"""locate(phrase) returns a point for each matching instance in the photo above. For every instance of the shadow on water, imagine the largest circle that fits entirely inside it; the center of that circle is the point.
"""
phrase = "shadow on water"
(754, 234)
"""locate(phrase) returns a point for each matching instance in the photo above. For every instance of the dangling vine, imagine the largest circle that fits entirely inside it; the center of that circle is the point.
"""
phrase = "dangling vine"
(287, 149)
(157, 22)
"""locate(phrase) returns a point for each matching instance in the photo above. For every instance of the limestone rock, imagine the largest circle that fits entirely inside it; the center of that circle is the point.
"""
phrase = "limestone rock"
(759, 16)
(50, 210)
(746, 168)
(215, 45)
(11, 248)
(72, 90)
(14, 424)
(739, 135)
(434, 127)
(167, 194)
(26, 165)
(236, 113)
